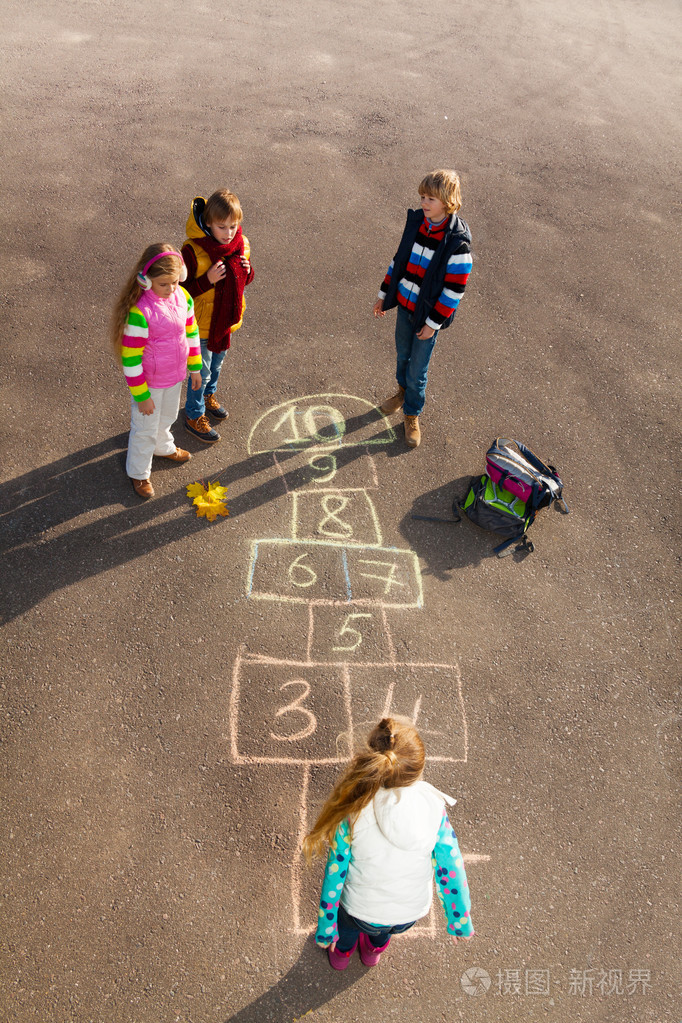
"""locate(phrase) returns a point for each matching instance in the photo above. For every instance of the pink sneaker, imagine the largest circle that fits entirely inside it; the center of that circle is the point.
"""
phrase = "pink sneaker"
(340, 960)
(368, 953)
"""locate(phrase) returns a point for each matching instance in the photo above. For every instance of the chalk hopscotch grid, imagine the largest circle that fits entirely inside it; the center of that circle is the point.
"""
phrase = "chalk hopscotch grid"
(315, 445)
(345, 550)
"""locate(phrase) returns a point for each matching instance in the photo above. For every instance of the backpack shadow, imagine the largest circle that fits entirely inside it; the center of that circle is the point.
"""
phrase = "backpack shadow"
(445, 544)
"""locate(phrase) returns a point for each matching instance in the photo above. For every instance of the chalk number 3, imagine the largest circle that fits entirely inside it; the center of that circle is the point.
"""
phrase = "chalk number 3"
(296, 708)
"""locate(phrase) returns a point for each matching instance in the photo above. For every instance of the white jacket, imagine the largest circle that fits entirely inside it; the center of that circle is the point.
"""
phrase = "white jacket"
(390, 874)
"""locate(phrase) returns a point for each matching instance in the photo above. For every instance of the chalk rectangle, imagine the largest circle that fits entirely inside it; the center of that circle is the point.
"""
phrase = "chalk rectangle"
(336, 516)
(428, 694)
(349, 635)
(289, 713)
(312, 471)
(300, 572)
(385, 576)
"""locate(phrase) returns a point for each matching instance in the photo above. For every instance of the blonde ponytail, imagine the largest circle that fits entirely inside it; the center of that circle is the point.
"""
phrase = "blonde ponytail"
(392, 756)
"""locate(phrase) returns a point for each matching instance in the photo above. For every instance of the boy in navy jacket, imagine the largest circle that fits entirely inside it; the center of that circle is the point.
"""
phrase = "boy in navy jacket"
(426, 280)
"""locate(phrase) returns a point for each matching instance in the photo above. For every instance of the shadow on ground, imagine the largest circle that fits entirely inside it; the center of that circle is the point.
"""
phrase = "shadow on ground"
(309, 984)
(45, 547)
(445, 546)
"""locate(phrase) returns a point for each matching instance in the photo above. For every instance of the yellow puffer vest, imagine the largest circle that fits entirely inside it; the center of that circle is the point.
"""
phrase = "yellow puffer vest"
(203, 304)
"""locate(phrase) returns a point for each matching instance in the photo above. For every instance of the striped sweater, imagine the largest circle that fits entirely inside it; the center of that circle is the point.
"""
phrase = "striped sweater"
(457, 272)
(160, 343)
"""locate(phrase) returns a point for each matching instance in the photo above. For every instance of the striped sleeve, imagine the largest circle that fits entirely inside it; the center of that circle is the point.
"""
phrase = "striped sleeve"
(192, 334)
(135, 335)
(456, 276)
(387, 280)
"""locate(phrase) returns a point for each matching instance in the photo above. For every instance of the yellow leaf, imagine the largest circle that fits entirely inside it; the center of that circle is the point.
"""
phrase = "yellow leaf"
(195, 490)
(215, 491)
(208, 509)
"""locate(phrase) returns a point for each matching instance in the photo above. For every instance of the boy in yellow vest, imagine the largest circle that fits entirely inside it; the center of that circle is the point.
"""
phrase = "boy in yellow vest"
(216, 255)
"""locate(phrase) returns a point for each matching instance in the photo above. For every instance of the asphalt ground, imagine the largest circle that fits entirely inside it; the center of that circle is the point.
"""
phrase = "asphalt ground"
(157, 679)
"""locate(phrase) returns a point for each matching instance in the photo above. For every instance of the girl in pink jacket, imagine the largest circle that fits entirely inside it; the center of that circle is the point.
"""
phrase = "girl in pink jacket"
(157, 340)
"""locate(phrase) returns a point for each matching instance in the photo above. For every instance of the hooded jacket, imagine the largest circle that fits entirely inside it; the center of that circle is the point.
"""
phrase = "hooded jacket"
(198, 262)
(390, 872)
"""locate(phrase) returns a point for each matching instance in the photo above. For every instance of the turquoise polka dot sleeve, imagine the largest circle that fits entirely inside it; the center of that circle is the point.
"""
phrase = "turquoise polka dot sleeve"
(332, 886)
(451, 881)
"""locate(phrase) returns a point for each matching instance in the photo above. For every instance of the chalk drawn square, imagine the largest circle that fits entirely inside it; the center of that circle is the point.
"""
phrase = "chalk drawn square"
(385, 576)
(289, 571)
(313, 470)
(289, 713)
(281, 638)
(428, 694)
(336, 516)
(348, 634)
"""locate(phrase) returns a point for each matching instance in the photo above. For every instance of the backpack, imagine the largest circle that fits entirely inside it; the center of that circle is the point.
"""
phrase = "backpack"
(506, 499)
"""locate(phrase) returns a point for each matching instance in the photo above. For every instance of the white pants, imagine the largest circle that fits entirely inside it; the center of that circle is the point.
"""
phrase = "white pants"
(151, 435)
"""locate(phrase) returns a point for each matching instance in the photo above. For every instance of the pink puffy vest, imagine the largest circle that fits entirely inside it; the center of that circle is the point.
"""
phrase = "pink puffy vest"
(164, 360)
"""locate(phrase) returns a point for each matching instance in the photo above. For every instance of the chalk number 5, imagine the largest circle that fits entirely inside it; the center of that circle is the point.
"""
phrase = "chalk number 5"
(349, 631)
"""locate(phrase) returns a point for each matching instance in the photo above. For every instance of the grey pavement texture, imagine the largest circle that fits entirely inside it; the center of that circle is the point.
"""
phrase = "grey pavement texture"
(148, 860)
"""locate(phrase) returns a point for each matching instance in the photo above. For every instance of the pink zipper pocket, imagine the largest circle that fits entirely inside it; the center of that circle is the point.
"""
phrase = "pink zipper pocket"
(515, 486)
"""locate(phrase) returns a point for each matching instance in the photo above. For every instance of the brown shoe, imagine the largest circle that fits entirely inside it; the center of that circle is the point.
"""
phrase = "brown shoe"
(395, 403)
(202, 430)
(214, 408)
(179, 455)
(412, 432)
(143, 488)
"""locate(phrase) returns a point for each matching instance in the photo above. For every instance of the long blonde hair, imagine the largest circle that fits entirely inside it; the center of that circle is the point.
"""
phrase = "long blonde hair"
(131, 291)
(392, 756)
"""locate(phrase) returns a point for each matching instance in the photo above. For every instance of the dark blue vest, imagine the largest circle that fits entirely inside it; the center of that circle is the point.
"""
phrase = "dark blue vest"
(432, 285)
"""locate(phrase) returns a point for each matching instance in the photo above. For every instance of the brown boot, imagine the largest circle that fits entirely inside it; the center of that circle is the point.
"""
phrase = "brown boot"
(179, 455)
(395, 403)
(202, 430)
(214, 408)
(412, 432)
(143, 488)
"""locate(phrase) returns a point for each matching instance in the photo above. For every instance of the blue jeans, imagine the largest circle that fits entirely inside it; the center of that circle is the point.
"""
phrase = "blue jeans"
(211, 364)
(412, 362)
(378, 934)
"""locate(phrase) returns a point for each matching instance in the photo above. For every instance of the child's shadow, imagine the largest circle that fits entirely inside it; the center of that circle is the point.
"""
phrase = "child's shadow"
(310, 983)
(52, 535)
(445, 546)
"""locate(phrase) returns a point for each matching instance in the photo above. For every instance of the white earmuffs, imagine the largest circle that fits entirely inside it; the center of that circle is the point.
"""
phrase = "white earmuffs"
(146, 282)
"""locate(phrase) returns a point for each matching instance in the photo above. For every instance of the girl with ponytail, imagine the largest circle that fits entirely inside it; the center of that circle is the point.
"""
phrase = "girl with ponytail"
(387, 831)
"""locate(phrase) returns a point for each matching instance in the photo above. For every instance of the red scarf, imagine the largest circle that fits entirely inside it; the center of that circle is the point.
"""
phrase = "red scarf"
(229, 292)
